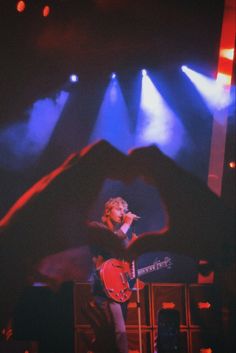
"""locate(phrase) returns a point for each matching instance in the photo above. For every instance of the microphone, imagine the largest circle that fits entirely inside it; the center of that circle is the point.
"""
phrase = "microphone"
(135, 217)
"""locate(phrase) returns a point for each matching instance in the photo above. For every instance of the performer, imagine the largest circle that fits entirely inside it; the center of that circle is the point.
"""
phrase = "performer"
(119, 220)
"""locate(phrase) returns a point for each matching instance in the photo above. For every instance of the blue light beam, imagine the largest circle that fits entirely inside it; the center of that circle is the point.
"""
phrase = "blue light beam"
(157, 123)
(22, 143)
(44, 116)
(214, 93)
(112, 123)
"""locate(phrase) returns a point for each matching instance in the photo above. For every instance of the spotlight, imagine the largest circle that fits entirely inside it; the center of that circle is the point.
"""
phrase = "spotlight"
(232, 164)
(184, 68)
(20, 6)
(144, 72)
(46, 11)
(74, 78)
(113, 75)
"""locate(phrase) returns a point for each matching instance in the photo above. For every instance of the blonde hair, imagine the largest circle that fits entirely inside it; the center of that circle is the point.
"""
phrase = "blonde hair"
(111, 203)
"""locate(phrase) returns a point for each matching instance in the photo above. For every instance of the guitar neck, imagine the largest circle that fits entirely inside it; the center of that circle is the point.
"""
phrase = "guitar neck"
(151, 268)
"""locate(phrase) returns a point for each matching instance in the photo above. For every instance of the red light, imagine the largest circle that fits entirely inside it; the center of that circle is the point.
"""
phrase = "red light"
(203, 305)
(20, 6)
(46, 11)
(206, 350)
(232, 164)
(168, 305)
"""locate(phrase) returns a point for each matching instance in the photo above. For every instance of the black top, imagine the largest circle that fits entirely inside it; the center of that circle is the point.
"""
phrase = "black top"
(107, 244)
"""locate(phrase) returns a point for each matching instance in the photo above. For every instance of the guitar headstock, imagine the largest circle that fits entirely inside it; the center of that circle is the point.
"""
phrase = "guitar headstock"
(168, 262)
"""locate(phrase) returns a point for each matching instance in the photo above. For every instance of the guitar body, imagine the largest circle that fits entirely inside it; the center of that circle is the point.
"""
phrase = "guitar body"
(115, 275)
(118, 280)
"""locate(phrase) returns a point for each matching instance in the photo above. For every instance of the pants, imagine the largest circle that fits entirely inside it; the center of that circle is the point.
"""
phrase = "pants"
(118, 321)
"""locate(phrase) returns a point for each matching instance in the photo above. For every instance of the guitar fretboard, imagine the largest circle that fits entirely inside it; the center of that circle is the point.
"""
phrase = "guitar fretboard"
(154, 267)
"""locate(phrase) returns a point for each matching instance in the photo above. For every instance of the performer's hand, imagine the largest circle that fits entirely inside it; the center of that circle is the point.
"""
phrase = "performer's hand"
(129, 217)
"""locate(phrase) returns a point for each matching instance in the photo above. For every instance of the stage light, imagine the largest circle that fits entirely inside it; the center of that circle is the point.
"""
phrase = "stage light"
(74, 78)
(46, 11)
(144, 72)
(20, 6)
(113, 121)
(204, 305)
(168, 305)
(113, 75)
(215, 93)
(232, 164)
(156, 122)
(227, 53)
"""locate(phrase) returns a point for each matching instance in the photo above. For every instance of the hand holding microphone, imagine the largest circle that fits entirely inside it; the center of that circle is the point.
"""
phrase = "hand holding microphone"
(129, 217)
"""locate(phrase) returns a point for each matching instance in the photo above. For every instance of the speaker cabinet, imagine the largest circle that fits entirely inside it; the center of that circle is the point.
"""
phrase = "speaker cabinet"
(82, 297)
(205, 342)
(46, 317)
(84, 340)
(183, 341)
(132, 314)
(204, 307)
(168, 331)
(196, 305)
(19, 347)
(169, 296)
(146, 341)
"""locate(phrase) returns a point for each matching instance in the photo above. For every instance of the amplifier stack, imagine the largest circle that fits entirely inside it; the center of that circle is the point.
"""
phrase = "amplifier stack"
(189, 311)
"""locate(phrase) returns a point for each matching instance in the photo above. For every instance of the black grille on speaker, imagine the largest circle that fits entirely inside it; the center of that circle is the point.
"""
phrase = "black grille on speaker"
(168, 334)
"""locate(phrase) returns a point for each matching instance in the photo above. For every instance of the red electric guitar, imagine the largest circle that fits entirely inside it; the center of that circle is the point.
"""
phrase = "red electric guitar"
(117, 277)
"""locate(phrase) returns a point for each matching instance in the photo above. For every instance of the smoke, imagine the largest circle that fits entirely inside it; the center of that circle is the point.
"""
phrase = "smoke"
(22, 143)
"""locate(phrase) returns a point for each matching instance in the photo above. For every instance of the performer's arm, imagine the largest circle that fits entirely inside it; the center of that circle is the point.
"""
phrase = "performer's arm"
(129, 217)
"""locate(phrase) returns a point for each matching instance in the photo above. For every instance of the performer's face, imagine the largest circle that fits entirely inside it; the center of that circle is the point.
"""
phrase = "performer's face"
(117, 212)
